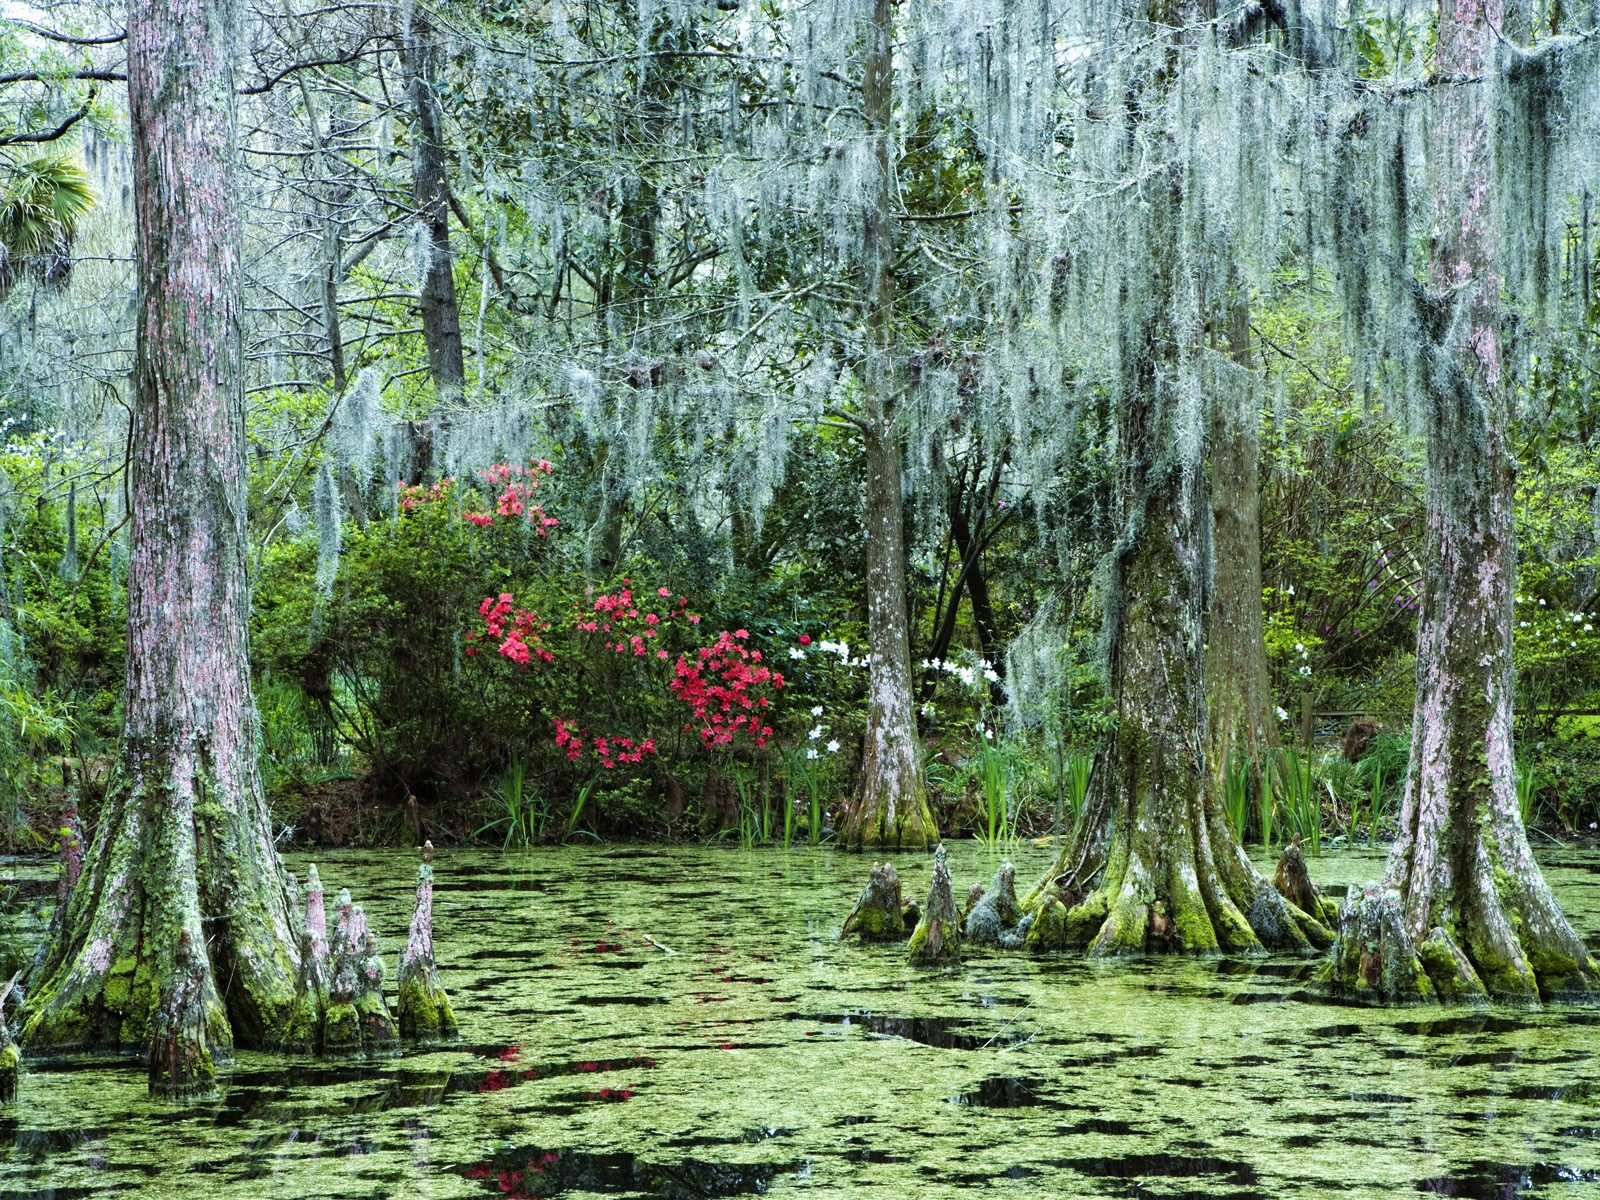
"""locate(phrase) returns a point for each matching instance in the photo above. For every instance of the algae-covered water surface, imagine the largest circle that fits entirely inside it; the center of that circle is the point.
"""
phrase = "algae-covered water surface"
(683, 1022)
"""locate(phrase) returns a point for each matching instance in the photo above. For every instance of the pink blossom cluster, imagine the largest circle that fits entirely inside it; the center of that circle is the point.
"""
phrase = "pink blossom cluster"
(413, 495)
(728, 689)
(518, 632)
(517, 485)
(608, 751)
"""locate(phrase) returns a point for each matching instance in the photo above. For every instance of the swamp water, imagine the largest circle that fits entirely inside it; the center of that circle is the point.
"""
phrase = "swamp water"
(684, 1022)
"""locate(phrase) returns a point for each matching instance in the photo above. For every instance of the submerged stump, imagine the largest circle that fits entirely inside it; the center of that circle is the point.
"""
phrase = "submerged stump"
(995, 916)
(1293, 881)
(425, 1013)
(880, 915)
(304, 1031)
(937, 937)
(357, 1020)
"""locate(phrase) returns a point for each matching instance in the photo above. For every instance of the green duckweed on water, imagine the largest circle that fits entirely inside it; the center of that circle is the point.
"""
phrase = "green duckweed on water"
(684, 1022)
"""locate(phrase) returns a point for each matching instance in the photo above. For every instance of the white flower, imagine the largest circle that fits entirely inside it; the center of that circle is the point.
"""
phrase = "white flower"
(988, 735)
(1522, 624)
(833, 747)
(1588, 628)
(1305, 670)
(815, 733)
(1291, 589)
(796, 652)
(991, 675)
(966, 676)
(1282, 716)
(811, 752)
(1300, 647)
(816, 710)
(1541, 603)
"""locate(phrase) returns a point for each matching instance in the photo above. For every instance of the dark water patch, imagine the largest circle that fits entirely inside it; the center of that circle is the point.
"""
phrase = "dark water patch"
(940, 1033)
(1110, 1056)
(1302, 1140)
(976, 1179)
(1380, 1098)
(489, 883)
(1328, 1033)
(513, 1071)
(600, 1095)
(858, 1151)
(1482, 1058)
(1003, 1091)
(1501, 1181)
(1451, 1026)
(1581, 1090)
(1266, 970)
(1162, 1166)
(36, 1145)
(750, 1137)
(630, 1001)
(1100, 1125)
(529, 1172)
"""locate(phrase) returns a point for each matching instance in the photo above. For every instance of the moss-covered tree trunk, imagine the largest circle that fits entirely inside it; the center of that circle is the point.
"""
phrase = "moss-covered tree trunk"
(178, 929)
(1153, 865)
(891, 802)
(1238, 689)
(1463, 909)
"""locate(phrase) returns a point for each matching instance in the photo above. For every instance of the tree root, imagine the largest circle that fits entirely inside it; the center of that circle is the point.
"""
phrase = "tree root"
(1378, 960)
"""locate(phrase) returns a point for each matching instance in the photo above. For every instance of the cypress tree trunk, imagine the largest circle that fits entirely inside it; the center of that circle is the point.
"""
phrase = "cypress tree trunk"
(1238, 688)
(891, 803)
(177, 936)
(1153, 865)
(441, 317)
(1463, 909)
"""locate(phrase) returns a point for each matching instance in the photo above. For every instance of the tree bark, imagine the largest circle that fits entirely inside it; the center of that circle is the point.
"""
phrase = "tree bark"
(1238, 686)
(1463, 910)
(441, 316)
(891, 802)
(177, 936)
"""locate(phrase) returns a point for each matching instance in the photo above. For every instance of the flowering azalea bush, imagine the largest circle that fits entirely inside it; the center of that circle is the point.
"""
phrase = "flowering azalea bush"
(615, 674)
